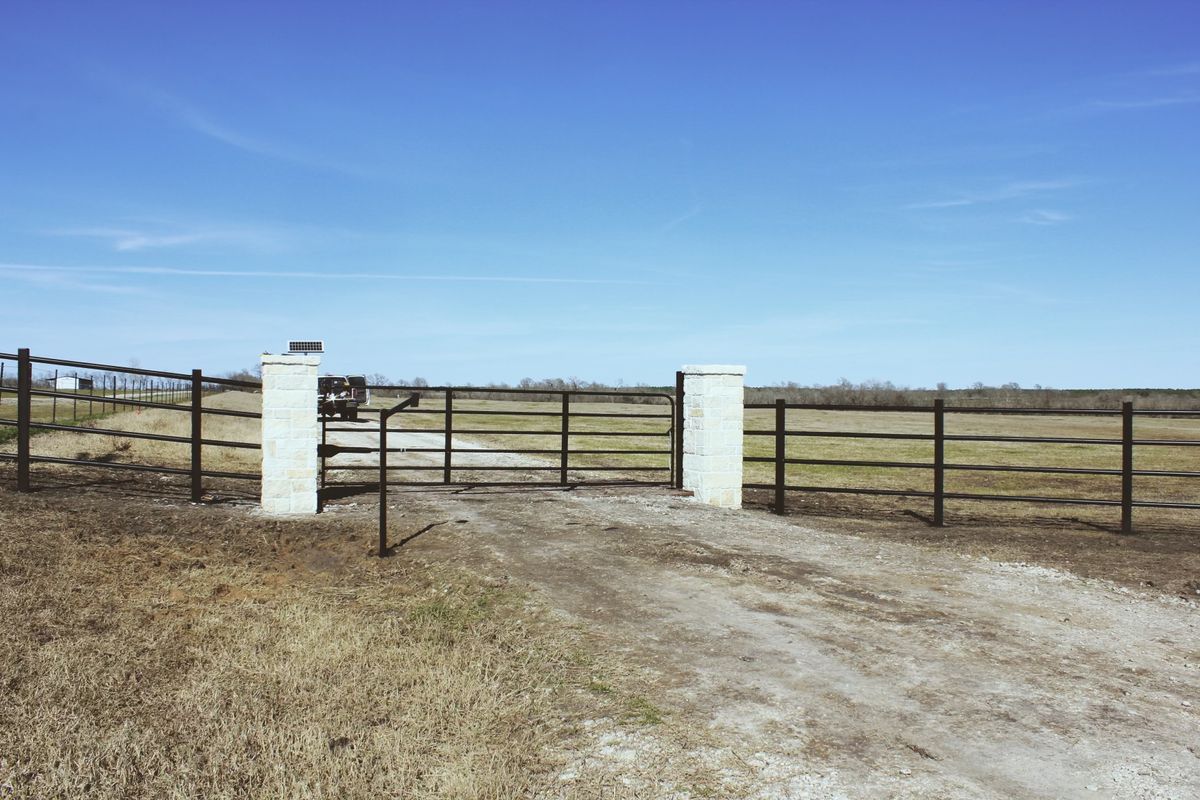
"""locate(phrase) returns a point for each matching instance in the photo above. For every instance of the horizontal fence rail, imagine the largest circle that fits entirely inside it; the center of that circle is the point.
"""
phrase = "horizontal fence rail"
(939, 466)
(564, 423)
(85, 392)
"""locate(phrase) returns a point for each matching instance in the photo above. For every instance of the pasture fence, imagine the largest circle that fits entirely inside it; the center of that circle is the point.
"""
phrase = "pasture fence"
(111, 389)
(938, 467)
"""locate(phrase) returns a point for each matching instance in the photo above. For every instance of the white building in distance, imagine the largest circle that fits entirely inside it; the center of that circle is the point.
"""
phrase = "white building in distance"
(71, 383)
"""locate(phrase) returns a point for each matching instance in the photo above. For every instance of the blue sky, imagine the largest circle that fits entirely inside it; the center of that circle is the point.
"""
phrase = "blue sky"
(915, 192)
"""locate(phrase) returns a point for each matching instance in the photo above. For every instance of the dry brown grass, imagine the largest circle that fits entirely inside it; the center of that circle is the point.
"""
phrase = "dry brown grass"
(159, 652)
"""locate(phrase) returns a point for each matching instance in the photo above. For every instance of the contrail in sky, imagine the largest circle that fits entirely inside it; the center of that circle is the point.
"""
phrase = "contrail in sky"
(230, 273)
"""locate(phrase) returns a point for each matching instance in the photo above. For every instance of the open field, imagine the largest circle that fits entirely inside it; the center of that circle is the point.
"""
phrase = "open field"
(63, 412)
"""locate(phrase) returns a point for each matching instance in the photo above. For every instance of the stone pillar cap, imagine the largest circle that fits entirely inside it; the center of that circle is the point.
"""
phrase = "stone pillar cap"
(283, 358)
(714, 369)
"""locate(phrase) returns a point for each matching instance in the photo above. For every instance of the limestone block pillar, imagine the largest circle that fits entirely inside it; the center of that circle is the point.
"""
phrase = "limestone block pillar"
(290, 434)
(713, 400)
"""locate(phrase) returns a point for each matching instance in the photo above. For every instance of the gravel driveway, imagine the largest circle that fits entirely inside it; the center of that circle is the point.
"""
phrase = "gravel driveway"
(839, 666)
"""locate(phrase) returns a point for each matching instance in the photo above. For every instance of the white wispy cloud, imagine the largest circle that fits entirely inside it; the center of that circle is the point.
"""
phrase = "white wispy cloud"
(1170, 70)
(1148, 102)
(1010, 191)
(1044, 216)
(132, 239)
(292, 275)
(950, 156)
(59, 281)
(205, 124)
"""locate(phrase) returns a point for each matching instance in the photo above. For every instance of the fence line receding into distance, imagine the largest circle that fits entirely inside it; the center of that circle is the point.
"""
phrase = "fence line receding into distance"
(115, 388)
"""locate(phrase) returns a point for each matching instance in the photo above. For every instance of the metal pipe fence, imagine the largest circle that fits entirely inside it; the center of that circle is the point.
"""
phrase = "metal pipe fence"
(939, 466)
(112, 389)
(557, 422)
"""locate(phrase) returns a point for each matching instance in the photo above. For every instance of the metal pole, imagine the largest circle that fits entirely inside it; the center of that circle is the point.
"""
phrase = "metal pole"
(1127, 467)
(780, 455)
(197, 435)
(566, 437)
(939, 462)
(384, 415)
(449, 441)
(75, 399)
(54, 401)
(383, 479)
(678, 430)
(24, 409)
(324, 442)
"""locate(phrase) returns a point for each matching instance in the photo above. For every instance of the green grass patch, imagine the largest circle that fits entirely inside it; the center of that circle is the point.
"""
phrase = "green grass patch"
(641, 711)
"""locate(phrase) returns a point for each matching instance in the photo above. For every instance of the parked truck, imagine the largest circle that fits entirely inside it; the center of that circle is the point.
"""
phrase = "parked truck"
(342, 396)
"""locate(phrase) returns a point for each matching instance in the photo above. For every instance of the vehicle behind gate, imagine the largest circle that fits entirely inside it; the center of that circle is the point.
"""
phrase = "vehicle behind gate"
(342, 396)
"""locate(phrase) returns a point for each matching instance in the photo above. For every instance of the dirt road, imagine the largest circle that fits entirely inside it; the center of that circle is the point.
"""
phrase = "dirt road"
(468, 453)
(838, 666)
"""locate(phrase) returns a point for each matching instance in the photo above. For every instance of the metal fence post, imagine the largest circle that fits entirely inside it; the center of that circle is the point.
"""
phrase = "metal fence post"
(324, 444)
(54, 401)
(197, 427)
(939, 462)
(566, 437)
(1127, 467)
(449, 445)
(383, 479)
(24, 412)
(780, 456)
(678, 443)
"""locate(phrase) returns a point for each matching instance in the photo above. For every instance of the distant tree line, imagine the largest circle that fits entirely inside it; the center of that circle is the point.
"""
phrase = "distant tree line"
(1008, 395)
(535, 390)
(844, 392)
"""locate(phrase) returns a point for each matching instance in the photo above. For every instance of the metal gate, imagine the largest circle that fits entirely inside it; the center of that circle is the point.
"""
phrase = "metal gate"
(463, 435)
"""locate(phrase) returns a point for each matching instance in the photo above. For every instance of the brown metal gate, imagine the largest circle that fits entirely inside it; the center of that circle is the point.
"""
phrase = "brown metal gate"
(463, 435)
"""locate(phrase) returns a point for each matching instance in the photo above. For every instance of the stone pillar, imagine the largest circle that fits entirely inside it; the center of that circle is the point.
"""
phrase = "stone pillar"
(712, 433)
(290, 434)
